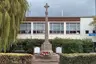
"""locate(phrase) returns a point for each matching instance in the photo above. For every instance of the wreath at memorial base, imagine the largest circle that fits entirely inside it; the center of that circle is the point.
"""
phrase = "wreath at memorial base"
(45, 55)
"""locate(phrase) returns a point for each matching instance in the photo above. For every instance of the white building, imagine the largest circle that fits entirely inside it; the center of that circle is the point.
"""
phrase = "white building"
(61, 27)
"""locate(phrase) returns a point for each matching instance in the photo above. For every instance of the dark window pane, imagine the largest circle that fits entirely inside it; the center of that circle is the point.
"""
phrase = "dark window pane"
(54, 31)
(62, 32)
(50, 31)
(34, 31)
(30, 32)
(94, 31)
(22, 31)
(38, 31)
(78, 32)
(87, 31)
(67, 32)
(58, 31)
(72, 32)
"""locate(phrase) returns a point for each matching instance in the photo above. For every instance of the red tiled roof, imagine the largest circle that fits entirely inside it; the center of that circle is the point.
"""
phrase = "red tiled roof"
(52, 19)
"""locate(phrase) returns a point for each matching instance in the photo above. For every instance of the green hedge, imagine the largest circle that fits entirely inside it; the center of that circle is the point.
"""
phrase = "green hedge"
(68, 45)
(87, 45)
(74, 45)
(87, 58)
(13, 58)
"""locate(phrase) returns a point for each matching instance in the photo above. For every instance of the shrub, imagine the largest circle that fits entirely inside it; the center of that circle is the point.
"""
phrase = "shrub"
(13, 58)
(68, 45)
(26, 44)
(87, 45)
(84, 58)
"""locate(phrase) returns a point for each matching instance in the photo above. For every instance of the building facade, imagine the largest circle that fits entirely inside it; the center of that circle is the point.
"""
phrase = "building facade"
(61, 27)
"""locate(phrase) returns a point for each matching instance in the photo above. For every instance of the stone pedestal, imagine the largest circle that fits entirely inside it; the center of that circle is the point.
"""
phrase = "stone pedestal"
(46, 46)
(54, 59)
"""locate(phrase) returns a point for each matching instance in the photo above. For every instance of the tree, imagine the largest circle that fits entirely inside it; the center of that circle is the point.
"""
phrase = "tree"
(12, 13)
(94, 21)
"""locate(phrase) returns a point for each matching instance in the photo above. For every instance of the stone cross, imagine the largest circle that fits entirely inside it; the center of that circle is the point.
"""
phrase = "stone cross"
(46, 46)
(46, 24)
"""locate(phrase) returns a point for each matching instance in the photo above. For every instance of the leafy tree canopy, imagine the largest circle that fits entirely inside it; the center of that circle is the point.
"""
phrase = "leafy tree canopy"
(12, 13)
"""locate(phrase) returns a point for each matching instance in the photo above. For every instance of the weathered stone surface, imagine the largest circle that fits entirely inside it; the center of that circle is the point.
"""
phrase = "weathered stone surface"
(53, 60)
(46, 46)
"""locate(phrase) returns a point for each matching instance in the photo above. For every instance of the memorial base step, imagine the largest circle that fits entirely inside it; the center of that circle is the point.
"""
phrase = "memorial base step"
(53, 60)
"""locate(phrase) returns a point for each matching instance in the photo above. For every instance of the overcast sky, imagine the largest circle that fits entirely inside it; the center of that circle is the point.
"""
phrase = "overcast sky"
(69, 7)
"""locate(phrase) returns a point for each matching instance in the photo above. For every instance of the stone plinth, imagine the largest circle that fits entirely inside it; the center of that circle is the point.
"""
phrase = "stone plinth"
(46, 46)
(53, 60)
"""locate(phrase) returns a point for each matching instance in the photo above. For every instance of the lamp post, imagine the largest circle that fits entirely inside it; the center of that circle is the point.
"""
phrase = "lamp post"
(46, 46)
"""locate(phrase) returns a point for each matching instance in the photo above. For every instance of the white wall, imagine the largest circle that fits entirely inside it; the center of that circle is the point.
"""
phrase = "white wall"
(85, 25)
(24, 36)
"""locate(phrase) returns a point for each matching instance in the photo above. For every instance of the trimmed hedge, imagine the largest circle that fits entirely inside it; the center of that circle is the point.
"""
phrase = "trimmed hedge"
(13, 58)
(68, 45)
(87, 58)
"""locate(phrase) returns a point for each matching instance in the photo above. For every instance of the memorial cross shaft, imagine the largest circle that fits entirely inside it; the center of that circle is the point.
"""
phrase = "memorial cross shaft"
(46, 46)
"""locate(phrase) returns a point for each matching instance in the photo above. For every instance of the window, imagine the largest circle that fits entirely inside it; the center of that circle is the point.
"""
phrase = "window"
(94, 31)
(56, 28)
(72, 28)
(38, 28)
(25, 28)
(87, 31)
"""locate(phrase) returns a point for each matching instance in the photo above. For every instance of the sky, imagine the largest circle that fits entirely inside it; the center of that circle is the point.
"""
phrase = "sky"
(66, 8)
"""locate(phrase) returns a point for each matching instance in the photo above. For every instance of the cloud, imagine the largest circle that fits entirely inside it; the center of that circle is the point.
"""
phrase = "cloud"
(69, 7)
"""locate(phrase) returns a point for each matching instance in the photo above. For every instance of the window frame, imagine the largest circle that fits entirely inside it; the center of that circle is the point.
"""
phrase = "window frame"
(75, 31)
(27, 24)
(38, 31)
(52, 31)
